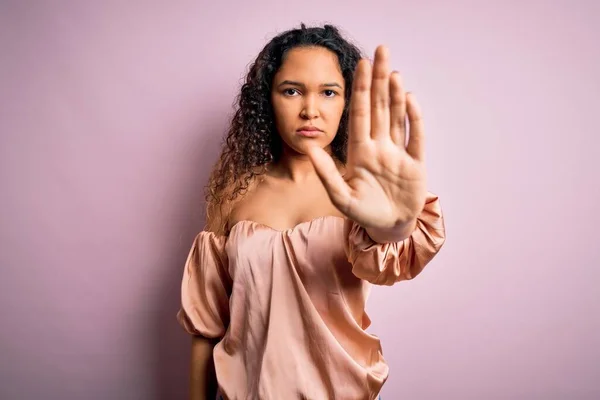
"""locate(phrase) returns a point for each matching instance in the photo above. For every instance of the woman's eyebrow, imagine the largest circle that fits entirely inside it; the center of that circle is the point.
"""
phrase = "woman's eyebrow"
(332, 84)
(302, 85)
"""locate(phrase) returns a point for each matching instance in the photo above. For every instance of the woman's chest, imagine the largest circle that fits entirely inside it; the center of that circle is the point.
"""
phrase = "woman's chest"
(311, 255)
(284, 207)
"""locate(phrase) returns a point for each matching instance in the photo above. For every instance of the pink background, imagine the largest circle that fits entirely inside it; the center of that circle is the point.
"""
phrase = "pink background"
(111, 114)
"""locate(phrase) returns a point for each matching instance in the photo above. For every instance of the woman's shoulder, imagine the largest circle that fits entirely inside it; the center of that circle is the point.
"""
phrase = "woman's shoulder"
(207, 237)
(250, 201)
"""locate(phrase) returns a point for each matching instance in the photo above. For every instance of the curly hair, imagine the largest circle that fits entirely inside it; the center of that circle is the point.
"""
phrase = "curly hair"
(252, 141)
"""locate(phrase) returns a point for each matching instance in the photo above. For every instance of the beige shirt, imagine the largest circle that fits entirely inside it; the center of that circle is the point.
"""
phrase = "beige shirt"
(288, 307)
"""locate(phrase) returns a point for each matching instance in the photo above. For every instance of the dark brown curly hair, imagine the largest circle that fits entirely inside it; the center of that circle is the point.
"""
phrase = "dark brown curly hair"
(252, 142)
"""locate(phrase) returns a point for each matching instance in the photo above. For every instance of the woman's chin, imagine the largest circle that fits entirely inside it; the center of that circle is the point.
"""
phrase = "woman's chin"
(302, 146)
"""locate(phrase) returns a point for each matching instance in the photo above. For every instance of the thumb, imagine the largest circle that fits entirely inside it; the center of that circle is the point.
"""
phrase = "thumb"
(337, 189)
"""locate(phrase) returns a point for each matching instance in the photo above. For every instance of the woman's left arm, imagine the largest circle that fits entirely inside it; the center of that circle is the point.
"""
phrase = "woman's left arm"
(388, 262)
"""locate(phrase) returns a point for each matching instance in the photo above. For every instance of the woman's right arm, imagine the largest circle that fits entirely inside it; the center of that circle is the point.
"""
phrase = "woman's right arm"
(204, 312)
(203, 382)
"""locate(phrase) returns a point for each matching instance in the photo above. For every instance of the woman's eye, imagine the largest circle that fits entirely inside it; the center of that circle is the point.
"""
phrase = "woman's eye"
(290, 92)
(329, 93)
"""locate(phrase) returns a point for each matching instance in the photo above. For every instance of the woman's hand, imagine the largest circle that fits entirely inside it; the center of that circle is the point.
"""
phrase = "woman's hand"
(384, 187)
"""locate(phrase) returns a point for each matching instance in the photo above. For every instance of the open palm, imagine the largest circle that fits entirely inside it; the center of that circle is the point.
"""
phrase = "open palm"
(385, 180)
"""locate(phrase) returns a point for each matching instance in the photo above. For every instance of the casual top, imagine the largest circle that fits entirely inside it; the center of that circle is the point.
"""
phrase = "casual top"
(288, 306)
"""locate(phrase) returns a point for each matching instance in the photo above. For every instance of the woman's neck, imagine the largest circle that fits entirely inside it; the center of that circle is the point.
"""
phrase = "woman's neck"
(294, 167)
(297, 167)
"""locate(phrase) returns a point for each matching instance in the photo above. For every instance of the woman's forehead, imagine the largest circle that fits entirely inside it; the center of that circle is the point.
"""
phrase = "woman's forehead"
(310, 65)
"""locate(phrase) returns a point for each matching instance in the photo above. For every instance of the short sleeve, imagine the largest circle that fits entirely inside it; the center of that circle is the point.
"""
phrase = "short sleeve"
(388, 263)
(205, 288)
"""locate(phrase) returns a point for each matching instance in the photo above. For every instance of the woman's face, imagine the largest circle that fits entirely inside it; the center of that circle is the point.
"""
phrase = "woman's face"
(308, 98)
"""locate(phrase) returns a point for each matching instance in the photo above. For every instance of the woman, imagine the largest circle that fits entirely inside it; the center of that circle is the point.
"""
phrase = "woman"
(315, 197)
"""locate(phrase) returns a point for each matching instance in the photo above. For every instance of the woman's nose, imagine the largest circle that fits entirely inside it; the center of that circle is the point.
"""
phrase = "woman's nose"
(310, 109)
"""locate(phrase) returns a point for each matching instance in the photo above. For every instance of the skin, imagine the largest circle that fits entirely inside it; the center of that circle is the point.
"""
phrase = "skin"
(384, 188)
(383, 184)
(308, 89)
(203, 381)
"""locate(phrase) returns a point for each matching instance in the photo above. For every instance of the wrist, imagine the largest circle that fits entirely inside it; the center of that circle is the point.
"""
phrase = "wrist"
(396, 233)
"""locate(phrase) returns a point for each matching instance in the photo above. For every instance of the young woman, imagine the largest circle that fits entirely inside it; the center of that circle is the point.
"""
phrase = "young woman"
(320, 191)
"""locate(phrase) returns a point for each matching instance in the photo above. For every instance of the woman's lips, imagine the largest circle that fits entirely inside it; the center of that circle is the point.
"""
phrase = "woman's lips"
(309, 132)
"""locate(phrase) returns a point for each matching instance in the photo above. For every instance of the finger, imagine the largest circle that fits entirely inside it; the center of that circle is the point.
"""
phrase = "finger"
(359, 124)
(337, 189)
(416, 139)
(380, 95)
(398, 110)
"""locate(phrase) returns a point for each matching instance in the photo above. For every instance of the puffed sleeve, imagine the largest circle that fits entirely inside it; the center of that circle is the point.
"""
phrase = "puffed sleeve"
(205, 288)
(388, 263)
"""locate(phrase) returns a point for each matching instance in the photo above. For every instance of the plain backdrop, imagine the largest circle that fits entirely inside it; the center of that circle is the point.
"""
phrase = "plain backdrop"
(112, 112)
